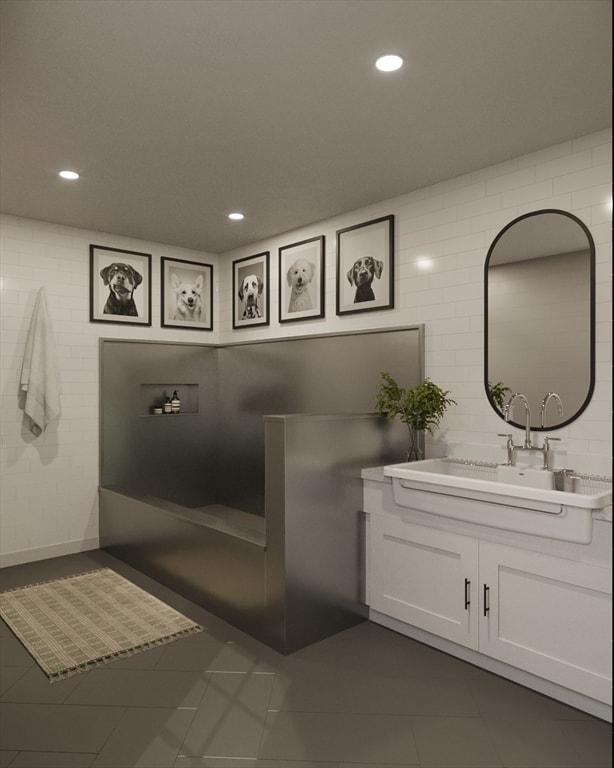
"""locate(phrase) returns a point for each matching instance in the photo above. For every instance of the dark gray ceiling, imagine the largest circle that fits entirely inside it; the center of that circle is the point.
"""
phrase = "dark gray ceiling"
(177, 112)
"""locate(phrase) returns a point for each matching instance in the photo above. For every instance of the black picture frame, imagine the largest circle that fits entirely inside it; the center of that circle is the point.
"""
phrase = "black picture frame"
(369, 245)
(120, 286)
(187, 294)
(301, 280)
(251, 291)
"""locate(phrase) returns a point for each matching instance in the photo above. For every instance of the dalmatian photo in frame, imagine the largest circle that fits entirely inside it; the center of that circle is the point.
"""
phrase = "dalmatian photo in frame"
(120, 286)
(365, 266)
(187, 294)
(250, 291)
(301, 280)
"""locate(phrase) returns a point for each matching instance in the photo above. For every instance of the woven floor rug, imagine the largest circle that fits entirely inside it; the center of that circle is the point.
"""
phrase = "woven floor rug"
(73, 624)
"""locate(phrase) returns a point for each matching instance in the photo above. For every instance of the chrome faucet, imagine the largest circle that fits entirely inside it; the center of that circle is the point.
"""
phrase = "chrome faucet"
(527, 415)
(559, 405)
(511, 448)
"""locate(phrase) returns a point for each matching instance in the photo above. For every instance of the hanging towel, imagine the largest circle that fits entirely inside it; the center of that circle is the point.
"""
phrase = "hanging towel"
(40, 372)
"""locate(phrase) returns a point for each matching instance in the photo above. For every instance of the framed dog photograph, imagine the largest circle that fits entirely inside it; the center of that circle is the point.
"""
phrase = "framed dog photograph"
(120, 286)
(250, 291)
(365, 266)
(187, 294)
(301, 280)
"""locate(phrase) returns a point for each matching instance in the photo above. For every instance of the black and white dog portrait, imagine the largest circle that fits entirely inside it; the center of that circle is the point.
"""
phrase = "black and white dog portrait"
(365, 266)
(362, 274)
(122, 281)
(250, 292)
(189, 298)
(299, 276)
(120, 286)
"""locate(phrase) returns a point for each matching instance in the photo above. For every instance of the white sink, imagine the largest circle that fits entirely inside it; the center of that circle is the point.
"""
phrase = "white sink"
(531, 477)
(444, 488)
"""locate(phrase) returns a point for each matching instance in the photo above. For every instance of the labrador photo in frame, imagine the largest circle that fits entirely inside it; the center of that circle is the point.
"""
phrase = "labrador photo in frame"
(301, 280)
(120, 286)
(187, 294)
(250, 291)
(365, 266)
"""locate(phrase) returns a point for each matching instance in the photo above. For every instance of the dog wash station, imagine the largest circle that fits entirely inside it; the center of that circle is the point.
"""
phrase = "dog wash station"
(249, 501)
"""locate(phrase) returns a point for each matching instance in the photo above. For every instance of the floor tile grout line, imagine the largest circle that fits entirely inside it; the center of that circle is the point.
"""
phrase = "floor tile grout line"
(229, 703)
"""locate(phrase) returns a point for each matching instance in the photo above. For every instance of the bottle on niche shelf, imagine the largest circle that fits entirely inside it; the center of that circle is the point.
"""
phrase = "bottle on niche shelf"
(167, 407)
(175, 403)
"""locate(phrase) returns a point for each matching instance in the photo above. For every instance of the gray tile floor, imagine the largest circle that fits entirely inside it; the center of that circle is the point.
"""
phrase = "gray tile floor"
(219, 699)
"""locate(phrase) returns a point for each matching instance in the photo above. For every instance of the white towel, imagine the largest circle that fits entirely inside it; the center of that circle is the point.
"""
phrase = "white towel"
(40, 372)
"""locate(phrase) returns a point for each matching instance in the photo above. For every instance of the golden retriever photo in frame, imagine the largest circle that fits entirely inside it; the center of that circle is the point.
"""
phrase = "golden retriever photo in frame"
(301, 280)
(187, 294)
(250, 291)
(120, 286)
(365, 266)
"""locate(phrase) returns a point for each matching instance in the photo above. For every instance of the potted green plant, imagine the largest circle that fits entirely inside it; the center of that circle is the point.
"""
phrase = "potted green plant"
(498, 392)
(421, 408)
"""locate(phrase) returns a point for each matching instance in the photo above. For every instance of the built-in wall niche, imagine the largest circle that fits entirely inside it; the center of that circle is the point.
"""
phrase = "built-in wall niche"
(153, 396)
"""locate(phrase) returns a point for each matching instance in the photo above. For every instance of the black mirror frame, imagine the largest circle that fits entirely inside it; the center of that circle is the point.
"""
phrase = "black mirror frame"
(591, 387)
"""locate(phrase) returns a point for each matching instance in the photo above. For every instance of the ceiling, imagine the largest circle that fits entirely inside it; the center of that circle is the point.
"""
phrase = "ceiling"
(177, 112)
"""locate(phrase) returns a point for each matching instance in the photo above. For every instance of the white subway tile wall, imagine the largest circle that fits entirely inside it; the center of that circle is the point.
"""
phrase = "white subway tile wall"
(49, 484)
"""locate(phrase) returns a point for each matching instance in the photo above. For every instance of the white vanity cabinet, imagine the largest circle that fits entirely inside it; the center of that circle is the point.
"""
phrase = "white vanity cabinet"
(548, 616)
(545, 615)
(424, 577)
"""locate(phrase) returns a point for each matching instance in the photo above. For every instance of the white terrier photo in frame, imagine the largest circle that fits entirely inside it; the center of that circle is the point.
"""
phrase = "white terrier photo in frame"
(365, 266)
(187, 294)
(301, 280)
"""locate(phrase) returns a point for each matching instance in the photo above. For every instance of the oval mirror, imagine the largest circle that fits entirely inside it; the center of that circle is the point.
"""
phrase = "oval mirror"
(539, 318)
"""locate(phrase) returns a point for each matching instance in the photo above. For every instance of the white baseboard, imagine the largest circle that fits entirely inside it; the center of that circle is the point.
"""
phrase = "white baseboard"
(44, 553)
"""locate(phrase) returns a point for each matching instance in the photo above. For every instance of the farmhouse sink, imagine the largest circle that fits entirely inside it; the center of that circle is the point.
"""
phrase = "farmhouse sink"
(472, 492)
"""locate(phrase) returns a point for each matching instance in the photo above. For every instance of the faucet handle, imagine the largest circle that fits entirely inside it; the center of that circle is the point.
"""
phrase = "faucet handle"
(510, 447)
(546, 449)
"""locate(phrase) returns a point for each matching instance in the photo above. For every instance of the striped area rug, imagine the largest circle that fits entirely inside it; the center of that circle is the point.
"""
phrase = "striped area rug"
(73, 624)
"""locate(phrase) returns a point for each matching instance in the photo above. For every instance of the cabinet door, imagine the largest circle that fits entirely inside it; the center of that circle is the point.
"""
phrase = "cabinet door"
(425, 577)
(548, 616)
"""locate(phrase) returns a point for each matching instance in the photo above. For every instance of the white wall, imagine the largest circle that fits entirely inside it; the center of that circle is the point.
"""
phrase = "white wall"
(453, 224)
(49, 503)
(48, 492)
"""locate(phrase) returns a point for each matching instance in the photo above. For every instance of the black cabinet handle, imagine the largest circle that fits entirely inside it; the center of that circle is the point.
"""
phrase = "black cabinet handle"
(486, 600)
(467, 594)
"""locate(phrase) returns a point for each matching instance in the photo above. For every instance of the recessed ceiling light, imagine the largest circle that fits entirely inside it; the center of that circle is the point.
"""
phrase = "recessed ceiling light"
(236, 216)
(71, 175)
(389, 63)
